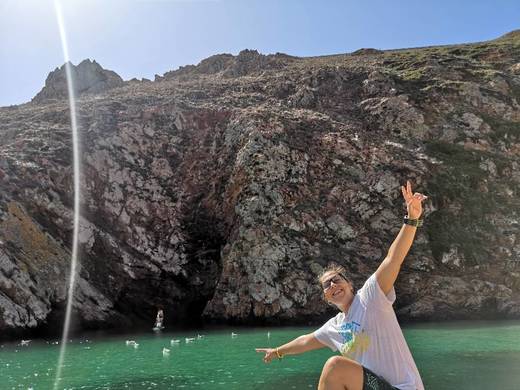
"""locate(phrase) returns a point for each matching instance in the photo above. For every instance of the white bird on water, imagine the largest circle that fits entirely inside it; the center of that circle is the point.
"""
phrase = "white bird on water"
(234, 334)
(130, 342)
(268, 335)
(175, 342)
(25, 343)
(190, 339)
(165, 352)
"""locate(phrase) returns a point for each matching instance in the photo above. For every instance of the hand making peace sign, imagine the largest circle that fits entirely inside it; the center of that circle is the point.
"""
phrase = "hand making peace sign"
(413, 201)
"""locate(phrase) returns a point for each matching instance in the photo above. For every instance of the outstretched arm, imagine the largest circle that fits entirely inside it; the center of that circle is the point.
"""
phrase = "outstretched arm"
(387, 272)
(299, 345)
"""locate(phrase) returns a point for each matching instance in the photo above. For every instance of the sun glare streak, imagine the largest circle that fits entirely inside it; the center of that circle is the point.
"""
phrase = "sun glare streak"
(76, 167)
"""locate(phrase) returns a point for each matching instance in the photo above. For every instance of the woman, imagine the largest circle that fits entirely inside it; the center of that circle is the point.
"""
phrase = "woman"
(366, 331)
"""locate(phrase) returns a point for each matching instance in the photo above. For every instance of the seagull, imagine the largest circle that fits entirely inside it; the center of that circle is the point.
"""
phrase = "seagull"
(268, 335)
(136, 345)
(174, 342)
(130, 342)
(190, 339)
(234, 334)
(165, 352)
(25, 343)
(200, 336)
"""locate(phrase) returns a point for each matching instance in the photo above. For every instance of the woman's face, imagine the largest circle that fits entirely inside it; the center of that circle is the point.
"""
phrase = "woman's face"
(336, 289)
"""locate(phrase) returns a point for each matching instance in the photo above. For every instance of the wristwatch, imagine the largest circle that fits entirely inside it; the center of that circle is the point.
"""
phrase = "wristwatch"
(413, 222)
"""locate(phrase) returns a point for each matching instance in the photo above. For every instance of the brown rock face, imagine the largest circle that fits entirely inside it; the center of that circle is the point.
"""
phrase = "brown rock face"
(89, 78)
(221, 190)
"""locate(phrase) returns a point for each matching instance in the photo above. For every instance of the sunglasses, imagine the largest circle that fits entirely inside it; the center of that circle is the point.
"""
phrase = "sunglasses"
(336, 279)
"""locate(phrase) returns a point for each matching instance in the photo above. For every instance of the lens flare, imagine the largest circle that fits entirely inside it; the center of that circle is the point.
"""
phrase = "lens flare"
(76, 167)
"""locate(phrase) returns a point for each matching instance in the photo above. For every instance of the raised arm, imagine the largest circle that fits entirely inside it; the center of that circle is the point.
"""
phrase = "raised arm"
(301, 344)
(389, 269)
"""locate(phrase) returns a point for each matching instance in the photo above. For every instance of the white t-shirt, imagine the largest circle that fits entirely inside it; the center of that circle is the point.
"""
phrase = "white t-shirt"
(370, 334)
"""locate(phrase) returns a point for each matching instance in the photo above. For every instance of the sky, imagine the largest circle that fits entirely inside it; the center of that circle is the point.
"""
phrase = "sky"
(141, 38)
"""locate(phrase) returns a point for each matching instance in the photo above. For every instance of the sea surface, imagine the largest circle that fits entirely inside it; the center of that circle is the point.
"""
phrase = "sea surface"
(456, 355)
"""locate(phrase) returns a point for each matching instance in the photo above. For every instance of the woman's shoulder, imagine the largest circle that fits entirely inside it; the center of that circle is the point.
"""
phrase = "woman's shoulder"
(337, 319)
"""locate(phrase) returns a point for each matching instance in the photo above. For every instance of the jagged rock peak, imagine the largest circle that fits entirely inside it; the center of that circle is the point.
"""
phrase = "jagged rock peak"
(89, 77)
(245, 63)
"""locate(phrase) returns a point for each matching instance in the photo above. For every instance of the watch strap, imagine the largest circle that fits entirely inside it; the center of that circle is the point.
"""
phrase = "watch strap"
(413, 222)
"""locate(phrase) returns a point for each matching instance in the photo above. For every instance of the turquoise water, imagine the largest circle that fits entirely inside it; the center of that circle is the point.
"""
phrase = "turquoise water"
(463, 355)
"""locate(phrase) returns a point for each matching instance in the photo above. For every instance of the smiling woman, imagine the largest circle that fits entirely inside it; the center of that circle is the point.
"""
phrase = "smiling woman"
(366, 332)
(334, 273)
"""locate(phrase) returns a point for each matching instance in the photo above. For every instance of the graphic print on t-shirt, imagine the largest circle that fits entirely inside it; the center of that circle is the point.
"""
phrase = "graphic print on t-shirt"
(355, 340)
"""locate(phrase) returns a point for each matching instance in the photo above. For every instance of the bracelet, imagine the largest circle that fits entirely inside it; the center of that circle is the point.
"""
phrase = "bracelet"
(278, 354)
(413, 222)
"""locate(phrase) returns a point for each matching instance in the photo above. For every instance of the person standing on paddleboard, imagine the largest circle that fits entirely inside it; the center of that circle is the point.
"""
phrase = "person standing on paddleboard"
(374, 352)
(159, 319)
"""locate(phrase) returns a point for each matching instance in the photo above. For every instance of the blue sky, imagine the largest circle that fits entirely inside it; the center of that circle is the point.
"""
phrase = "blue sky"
(141, 38)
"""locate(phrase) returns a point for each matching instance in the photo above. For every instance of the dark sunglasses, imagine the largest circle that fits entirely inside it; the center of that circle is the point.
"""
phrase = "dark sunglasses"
(336, 279)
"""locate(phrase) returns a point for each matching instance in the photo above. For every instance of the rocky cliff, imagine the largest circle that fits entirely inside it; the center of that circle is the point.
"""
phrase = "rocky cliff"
(221, 190)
